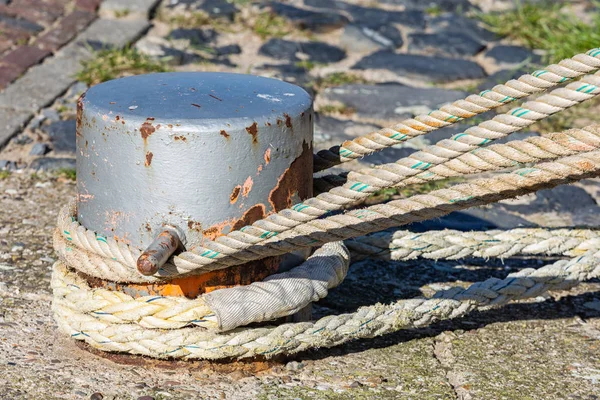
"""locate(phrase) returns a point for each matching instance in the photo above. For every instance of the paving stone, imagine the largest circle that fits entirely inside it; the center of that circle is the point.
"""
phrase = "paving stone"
(337, 130)
(87, 5)
(195, 37)
(474, 219)
(512, 55)
(288, 72)
(8, 73)
(66, 30)
(214, 8)
(450, 22)
(443, 5)
(11, 122)
(52, 164)
(39, 149)
(390, 101)
(6, 165)
(50, 114)
(137, 8)
(310, 20)
(160, 48)
(553, 200)
(435, 69)
(38, 10)
(44, 82)
(316, 51)
(63, 135)
(114, 32)
(373, 17)
(25, 56)
(228, 50)
(501, 77)
(18, 23)
(442, 43)
(358, 38)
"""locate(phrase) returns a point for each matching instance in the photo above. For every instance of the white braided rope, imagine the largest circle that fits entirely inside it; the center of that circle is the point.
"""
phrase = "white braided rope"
(108, 259)
(277, 296)
(487, 100)
(453, 245)
(198, 343)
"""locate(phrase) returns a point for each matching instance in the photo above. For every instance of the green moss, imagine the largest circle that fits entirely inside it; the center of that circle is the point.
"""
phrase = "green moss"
(4, 174)
(547, 26)
(109, 64)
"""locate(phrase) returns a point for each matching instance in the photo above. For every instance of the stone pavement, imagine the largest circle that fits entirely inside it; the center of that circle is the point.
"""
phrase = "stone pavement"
(390, 52)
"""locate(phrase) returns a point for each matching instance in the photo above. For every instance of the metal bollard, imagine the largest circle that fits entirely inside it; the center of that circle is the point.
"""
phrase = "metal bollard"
(168, 161)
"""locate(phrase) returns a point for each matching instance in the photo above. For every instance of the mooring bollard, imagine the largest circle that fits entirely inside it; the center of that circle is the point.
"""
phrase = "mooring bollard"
(168, 161)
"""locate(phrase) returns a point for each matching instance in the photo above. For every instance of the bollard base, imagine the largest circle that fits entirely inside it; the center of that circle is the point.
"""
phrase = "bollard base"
(250, 366)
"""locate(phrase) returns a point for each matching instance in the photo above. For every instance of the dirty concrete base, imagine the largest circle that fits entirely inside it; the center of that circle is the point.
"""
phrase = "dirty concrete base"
(530, 350)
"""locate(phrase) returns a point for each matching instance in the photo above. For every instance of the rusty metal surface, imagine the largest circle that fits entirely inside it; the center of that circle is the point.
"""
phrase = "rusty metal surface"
(159, 251)
(204, 152)
(192, 286)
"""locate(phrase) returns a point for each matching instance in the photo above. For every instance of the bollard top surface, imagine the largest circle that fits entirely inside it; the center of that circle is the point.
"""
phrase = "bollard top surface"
(196, 98)
(203, 152)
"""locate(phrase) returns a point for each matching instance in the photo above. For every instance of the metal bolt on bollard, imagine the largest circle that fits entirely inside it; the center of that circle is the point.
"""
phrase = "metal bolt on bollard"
(168, 161)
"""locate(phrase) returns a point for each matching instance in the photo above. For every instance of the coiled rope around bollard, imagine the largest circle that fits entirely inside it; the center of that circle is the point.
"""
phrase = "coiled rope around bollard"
(210, 326)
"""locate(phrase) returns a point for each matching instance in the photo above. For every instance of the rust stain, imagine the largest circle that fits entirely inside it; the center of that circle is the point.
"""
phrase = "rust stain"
(149, 156)
(251, 216)
(267, 156)
(288, 121)
(146, 130)
(253, 130)
(217, 230)
(235, 194)
(195, 226)
(247, 186)
(197, 105)
(193, 286)
(225, 134)
(293, 181)
(181, 137)
(79, 115)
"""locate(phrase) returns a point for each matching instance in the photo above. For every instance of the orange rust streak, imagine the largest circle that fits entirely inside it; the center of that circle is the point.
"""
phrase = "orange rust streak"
(294, 181)
(247, 187)
(192, 286)
(267, 156)
(235, 194)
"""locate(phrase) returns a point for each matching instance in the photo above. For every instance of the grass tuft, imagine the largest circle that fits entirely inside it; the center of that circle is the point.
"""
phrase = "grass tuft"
(109, 64)
(270, 25)
(69, 173)
(339, 79)
(546, 26)
(336, 109)
(4, 174)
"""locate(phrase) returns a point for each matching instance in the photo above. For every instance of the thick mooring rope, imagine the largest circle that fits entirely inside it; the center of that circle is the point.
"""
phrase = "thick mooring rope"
(487, 100)
(117, 261)
(170, 327)
(453, 245)
(200, 343)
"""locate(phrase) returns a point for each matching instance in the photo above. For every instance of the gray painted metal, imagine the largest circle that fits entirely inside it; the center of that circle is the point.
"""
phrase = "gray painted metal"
(203, 152)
